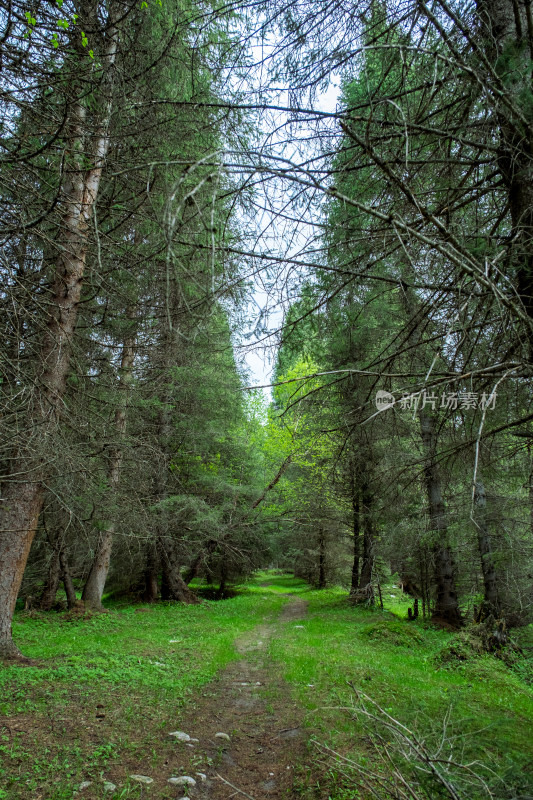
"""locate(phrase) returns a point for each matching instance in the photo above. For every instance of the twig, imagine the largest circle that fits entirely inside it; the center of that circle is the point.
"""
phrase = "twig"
(235, 787)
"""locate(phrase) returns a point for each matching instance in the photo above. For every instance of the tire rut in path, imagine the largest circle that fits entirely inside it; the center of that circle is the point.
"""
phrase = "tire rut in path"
(252, 704)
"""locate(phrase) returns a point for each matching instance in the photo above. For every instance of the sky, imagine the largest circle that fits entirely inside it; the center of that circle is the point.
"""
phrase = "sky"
(260, 353)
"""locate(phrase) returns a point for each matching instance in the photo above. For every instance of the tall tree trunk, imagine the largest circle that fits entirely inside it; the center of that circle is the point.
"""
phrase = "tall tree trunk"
(173, 587)
(94, 587)
(48, 596)
(321, 559)
(151, 587)
(447, 605)
(151, 572)
(166, 571)
(22, 494)
(491, 597)
(365, 591)
(67, 579)
(356, 538)
(201, 558)
(181, 592)
(507, 40)
(530, 489)
(95, 583)
(19, 514)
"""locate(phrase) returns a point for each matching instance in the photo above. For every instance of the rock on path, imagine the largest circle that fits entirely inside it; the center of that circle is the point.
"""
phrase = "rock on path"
(181, 736)
(182, 780)
(142, 779)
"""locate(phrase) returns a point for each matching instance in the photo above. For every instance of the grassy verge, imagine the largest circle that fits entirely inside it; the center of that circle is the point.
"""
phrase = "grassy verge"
(267, 582)
(478, 710)
(107, 689)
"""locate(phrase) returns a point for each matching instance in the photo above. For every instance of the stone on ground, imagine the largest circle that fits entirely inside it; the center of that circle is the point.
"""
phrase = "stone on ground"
(142, 779)
(181, 736)
(182, 780)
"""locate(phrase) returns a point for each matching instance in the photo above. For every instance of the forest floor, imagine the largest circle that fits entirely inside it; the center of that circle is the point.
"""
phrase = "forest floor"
(252, 705)
(283, 672)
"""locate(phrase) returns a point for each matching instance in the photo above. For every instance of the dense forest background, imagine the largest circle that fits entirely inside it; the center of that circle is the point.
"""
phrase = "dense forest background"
(164, 163)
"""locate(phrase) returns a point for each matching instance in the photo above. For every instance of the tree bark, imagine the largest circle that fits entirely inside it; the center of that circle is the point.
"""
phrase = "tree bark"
(356, 539)
(321, 559)
(447, 605)
(491, 599)
(507, 41)
(23, 492)
(48, 596)
(151, 590)
(151, 584)
(173, 587)
(67, 579)
(181, 591)
(94, 587)
(19, 514)
(365, 591)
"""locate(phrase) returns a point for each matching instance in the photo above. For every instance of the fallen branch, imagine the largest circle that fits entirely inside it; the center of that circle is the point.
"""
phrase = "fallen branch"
(249, 796)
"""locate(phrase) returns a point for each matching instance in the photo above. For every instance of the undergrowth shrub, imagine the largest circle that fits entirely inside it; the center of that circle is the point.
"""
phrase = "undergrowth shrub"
(391, 631)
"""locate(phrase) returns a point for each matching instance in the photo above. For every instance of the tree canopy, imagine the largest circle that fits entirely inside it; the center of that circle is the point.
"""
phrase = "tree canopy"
(164, 167)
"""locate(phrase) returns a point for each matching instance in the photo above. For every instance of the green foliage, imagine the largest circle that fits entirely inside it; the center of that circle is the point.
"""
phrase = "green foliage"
(307, 510)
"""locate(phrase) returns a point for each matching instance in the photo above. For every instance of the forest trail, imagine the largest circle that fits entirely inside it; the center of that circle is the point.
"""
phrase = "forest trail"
(250, 703)
(128, 705)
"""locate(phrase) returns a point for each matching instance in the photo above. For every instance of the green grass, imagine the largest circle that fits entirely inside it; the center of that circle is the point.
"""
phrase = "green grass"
(343, 650)
(161, 648)
(141, 664)
(278, 583)
(396, 601)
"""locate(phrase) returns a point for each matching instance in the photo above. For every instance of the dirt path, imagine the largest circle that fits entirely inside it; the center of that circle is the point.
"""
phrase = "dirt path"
(251, 704)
